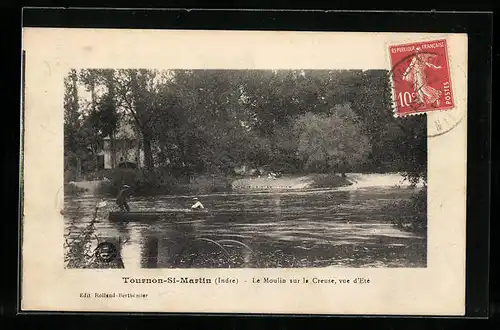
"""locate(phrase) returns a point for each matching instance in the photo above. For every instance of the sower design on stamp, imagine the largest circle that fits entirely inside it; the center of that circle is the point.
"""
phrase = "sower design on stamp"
(421, 77)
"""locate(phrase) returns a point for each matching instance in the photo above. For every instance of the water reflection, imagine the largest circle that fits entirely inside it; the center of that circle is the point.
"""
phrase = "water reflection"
(131, 247)
(313, 229)
(149, 252)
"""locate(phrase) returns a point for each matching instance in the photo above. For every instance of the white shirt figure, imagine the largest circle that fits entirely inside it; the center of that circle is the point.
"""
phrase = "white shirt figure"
(197, 204)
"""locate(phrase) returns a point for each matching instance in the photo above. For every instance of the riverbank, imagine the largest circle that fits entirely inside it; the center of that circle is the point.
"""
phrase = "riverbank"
(295, 182)
(150, 184)
(159, 184)
(310, 181)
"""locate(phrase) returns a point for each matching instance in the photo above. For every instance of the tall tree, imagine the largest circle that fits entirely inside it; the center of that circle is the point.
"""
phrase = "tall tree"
(214, 120)
(72, 145)
(138, 94)
(331, 142)
(92, 132)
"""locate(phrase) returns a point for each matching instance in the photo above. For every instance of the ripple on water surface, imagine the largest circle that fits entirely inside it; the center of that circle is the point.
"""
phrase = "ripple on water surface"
(314, 229)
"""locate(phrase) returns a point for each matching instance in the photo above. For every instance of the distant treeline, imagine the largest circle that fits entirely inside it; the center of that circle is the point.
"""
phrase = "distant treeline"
(213, 121)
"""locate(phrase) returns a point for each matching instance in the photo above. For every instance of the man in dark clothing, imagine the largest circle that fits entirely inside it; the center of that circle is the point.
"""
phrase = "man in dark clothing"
(122, 198)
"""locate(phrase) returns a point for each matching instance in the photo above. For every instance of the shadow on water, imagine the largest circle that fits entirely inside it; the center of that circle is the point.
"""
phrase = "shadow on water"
(336, 228)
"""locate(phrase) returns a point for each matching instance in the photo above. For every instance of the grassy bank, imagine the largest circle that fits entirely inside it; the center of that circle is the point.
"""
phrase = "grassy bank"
(291, 182)
(410, 215)
(161, 182)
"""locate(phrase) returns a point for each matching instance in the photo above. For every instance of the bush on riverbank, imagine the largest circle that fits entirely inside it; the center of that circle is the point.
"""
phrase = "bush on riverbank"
(330, 180)
(161, 182)
(410, 215)
(142, 182)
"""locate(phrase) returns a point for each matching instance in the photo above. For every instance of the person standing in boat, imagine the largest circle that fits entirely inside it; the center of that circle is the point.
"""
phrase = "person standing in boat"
(197, 204)
(122, 198)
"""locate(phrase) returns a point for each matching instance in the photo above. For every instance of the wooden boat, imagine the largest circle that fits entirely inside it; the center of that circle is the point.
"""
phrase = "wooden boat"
(179, 214)
(156, 214)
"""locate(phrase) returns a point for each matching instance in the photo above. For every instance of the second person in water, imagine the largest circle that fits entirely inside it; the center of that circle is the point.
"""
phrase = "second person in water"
(197, 204)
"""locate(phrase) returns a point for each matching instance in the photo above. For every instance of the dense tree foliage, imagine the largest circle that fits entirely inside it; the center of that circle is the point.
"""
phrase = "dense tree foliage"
(331, 141)
(73, 147)
(212, 121)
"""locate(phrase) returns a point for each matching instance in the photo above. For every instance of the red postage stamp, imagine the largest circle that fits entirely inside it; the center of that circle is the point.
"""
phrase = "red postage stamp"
(421, 77)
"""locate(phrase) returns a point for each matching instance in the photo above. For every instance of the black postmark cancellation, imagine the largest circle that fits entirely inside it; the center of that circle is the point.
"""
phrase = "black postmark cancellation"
(106, 252)
(107, 255)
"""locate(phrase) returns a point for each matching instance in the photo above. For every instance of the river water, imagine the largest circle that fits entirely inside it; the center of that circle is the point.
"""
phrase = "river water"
(315, 228)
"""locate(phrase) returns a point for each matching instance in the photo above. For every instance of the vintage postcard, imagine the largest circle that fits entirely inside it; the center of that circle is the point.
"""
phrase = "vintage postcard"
(244, 172)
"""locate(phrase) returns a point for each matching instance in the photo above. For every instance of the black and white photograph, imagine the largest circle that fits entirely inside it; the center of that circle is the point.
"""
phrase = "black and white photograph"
(222, 168)
(281, 172)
